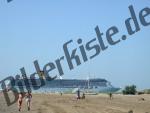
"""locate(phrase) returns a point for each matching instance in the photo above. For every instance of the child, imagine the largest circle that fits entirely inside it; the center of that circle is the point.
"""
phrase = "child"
(83, 95)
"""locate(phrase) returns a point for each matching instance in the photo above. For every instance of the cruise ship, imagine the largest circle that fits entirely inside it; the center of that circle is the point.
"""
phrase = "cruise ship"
(96, 85)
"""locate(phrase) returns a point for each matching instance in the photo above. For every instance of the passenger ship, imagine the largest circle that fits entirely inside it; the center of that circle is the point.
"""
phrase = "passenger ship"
(96, 85)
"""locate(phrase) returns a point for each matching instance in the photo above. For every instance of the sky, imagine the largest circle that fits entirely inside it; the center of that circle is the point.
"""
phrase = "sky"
(36, 30)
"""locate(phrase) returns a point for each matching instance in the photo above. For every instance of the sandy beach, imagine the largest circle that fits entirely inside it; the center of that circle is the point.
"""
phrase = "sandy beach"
(67, 103)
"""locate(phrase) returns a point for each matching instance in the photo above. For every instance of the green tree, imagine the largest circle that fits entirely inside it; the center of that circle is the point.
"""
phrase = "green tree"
(129, 90)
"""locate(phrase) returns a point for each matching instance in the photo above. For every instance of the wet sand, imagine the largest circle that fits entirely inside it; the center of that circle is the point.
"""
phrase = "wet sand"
(67, 103)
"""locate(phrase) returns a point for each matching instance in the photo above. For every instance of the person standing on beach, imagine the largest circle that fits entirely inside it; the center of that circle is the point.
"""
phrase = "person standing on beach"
(78, 94)
(110, 96)
(28, 99)
(20, 98)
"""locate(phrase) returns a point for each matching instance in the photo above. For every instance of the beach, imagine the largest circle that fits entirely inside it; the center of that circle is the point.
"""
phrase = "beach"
(67, 103)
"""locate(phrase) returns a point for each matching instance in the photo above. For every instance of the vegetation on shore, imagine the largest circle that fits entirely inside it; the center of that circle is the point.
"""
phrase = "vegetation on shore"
(129, 90)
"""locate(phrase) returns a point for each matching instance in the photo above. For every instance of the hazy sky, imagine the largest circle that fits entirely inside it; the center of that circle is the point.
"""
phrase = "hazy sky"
(37, 29)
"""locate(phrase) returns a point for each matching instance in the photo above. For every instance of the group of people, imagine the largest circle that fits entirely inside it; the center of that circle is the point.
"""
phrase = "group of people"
(28, 97)
(83, 95)
(78, 95)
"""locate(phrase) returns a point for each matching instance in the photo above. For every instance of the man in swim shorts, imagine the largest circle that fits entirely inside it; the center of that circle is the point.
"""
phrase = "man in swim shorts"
(28, 99)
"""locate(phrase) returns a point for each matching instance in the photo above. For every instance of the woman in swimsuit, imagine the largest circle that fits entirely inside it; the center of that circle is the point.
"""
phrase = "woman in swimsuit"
(20, 98)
